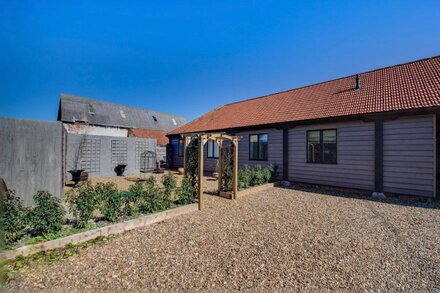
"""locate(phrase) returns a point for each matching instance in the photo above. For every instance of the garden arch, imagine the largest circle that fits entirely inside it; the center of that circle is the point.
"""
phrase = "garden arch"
(202, 140)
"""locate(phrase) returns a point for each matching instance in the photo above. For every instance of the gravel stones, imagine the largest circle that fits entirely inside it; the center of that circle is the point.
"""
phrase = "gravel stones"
(279, 239)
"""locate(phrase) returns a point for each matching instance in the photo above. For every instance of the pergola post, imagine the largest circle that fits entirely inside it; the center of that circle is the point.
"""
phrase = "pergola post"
(235, 167)
(220, 163)
(202, 141)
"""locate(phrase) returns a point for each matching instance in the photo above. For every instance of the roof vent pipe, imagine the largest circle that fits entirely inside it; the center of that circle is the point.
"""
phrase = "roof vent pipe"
(358, 82)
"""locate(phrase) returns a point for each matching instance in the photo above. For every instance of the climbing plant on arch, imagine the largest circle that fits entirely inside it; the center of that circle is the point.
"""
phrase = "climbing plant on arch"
(202, 139)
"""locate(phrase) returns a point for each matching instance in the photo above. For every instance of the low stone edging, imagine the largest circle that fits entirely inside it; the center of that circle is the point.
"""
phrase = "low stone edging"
(248, 191)
(104, 231)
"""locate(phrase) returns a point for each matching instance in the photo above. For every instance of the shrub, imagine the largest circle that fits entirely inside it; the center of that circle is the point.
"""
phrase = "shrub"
(159, 201)
(186, 193)
(150, 182)
(48, 214)
(244, 177)
(273, 172)
(169, 183)
(110, 200)
(13, 218)
(82, 203)
(258, 176)
(134, 197)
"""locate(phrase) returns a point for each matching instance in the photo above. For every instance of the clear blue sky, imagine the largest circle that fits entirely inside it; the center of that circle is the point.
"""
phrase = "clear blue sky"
(188, 57)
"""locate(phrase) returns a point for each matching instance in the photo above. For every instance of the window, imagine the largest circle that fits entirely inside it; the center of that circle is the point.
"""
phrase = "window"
(258, 147)
(322, 146)
(154, 118)
(213, 149)
(91, 110)
(174, 121)
(180, 148)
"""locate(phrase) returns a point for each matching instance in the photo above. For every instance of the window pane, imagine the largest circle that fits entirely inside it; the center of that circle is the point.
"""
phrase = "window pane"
(314, 136)
(329, 135)
(210, 150)
(330, 152)
(330, 148)
(314, 146)
(263, 147)
(253, 147)
(314, 152)
(180, 147)
(216, 149)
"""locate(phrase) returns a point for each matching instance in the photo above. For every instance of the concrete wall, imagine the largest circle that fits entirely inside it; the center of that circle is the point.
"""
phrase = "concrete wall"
(99, 155)
(409, 155)
(31, 157)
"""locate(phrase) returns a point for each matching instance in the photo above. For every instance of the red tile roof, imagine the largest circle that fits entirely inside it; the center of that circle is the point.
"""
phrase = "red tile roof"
(159, 135)
(413, 85)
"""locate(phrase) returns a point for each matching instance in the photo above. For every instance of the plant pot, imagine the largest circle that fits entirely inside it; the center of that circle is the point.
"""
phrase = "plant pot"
(120, 169)
(76, 175)
(181, 171)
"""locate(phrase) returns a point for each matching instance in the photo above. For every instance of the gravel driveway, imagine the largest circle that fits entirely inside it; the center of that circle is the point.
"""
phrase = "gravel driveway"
(278, 239)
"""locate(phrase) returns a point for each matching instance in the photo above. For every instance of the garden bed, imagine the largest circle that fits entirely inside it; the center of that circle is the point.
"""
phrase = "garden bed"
(248, 191)
(104, 231)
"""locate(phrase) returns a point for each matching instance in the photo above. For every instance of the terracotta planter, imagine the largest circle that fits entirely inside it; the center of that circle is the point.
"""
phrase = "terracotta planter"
(181, 171)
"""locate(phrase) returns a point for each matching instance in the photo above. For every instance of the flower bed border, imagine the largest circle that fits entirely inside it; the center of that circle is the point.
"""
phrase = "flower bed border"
(248, 191)
(116, 228)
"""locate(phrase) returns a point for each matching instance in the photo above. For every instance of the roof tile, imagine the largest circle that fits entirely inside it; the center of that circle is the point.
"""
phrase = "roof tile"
(413, 85)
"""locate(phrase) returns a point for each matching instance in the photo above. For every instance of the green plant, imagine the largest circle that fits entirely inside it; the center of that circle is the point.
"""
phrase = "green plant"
(227, 171)
(169, 182)
(192, 160)
(110, 200)
(133, 198)
(82, 203)
(273, 172)
(244, 177)
(258, 176)
(48, 214)
(13, 218)
(186, 193)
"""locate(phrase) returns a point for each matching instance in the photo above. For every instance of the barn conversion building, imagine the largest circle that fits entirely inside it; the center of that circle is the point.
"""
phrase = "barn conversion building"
(374, 131)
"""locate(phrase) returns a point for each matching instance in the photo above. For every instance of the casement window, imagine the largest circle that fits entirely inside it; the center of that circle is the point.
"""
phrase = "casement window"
(180, 148)
(258, 147)
(322, 146)
(213, 149)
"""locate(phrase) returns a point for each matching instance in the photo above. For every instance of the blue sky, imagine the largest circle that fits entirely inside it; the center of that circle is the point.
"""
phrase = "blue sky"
(189, 57)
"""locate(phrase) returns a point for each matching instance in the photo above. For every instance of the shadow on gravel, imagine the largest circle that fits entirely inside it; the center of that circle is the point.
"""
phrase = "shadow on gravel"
(416, 202)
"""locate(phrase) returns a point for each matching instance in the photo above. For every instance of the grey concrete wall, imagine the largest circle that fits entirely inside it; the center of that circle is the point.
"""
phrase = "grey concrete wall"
(409, 155)
(99, 155)
(31, 156)
(355, 163)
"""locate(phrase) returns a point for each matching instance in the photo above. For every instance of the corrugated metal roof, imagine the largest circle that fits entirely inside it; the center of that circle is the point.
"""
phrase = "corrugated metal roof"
(80, 109)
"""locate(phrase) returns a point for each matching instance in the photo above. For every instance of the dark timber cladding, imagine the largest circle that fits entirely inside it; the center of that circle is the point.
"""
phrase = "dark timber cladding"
(285, 153)
(378, 156)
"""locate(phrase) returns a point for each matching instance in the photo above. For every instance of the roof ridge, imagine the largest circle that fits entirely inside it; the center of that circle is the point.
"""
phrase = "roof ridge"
(331, 80)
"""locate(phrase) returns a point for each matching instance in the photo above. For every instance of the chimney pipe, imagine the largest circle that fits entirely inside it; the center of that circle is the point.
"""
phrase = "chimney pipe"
(358, 82)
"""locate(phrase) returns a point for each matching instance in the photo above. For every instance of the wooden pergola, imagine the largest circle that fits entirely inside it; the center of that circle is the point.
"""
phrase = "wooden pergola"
(202, 140)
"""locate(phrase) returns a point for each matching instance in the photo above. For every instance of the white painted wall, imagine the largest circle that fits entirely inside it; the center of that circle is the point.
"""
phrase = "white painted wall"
(95, 130)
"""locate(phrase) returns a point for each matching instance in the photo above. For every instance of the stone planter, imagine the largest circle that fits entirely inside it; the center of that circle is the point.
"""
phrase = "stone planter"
(248, 191)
